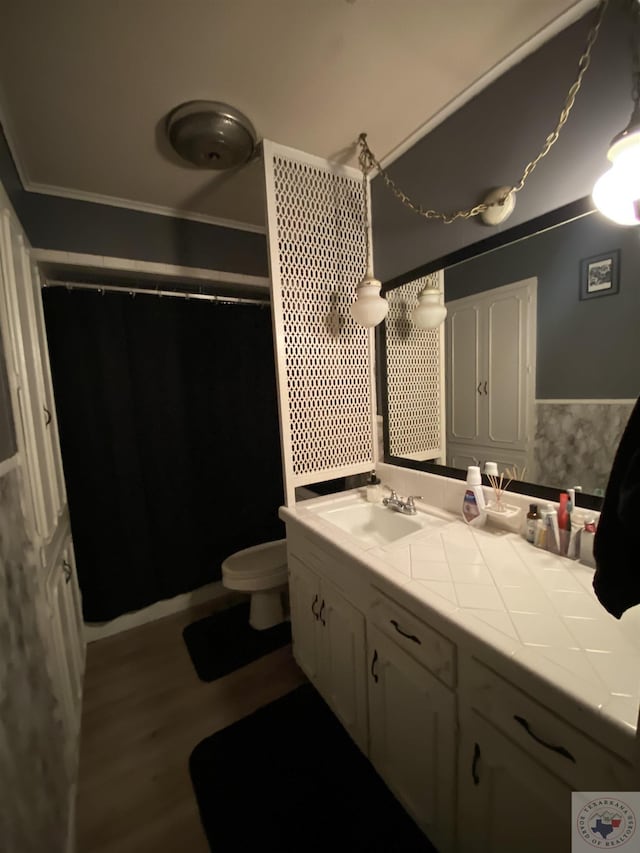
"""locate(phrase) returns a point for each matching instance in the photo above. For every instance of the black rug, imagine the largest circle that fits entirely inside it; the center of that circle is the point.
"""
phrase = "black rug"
(288, 778)
(224, 641)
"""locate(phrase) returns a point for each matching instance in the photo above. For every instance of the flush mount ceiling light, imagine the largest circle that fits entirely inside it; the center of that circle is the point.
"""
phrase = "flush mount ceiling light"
(370, 308)
(499, 204)
(429, 312)
(211, 135)
(617, 192)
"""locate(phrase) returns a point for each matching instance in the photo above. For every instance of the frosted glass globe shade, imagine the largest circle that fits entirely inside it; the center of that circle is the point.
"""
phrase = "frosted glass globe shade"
(370, 308)
(429, 312)
(617, 192)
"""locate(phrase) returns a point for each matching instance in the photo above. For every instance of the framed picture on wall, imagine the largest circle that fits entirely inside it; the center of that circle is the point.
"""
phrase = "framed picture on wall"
(600, 275)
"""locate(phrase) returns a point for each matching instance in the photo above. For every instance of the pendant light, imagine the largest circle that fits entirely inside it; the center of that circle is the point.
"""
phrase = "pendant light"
(370, 308)
(616, 194)
(429, 313)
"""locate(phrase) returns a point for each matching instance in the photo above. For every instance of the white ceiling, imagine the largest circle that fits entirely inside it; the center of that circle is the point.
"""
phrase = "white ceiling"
(85, 85)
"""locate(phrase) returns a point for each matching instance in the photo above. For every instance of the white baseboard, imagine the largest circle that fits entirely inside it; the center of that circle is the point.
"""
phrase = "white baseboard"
(99, 630)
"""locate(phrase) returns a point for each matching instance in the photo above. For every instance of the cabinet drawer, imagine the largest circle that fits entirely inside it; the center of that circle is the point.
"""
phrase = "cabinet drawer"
(423, 643)
(552, 741)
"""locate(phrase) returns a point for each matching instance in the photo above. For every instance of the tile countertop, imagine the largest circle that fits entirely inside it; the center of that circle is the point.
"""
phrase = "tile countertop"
(537, 611)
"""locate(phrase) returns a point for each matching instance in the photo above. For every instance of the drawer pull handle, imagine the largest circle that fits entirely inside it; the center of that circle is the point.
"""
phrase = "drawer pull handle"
(313, 607)
(320, 617)
(48, 414)
(559, 749)
(373, 664)
(411, 637)
(66, 568)
(474, 764)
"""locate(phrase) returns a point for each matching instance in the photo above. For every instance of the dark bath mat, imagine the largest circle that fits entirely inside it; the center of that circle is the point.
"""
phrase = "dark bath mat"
(224, 641)
(289, 779)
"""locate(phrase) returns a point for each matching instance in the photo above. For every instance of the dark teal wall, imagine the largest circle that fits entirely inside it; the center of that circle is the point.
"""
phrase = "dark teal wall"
(586, 349)
(488, 142)
(100, 229)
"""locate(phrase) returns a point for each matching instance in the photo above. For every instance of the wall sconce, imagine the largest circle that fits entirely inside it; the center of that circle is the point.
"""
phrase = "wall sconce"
(370, 308)
(429, 313)
(498, 205)
(616, 194)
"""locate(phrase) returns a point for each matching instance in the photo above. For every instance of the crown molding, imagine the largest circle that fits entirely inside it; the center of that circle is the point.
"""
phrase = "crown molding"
(570, 16)
(141, 206)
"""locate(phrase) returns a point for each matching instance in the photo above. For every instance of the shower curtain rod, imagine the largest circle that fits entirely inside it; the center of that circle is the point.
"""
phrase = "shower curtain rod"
(207, 297)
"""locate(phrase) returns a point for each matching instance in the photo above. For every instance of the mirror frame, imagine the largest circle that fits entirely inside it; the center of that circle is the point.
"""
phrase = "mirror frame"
(559, 216)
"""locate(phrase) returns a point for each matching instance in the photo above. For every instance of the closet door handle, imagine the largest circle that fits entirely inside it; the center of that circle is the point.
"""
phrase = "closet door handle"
(320, 617)
(411, 637)
(559, 749)
(474, 764)
(479, 387)
(66, 568)
(48, 414)
(373, 664)
(313, 607)
(485, 387)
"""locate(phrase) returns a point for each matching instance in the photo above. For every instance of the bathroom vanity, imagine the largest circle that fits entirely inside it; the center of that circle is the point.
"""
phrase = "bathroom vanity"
(479, 674)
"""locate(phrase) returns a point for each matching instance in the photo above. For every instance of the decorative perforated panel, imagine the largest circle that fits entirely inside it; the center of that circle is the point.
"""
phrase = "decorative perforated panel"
(415, 379)
(317, 256)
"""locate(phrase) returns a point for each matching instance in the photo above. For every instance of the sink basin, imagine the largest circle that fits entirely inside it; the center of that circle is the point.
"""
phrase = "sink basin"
(372, 523)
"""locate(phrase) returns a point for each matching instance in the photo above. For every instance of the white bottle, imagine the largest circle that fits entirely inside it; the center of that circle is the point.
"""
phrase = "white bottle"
(473, 503)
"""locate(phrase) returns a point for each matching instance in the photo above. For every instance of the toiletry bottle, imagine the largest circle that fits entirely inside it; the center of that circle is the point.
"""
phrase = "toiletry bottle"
(564, 523)
(551, 521)
(540, 540)
(532, 519)
(473, 504)
(373, 488)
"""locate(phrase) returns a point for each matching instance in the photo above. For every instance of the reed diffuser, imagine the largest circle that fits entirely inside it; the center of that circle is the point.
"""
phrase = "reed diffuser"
(500, 486)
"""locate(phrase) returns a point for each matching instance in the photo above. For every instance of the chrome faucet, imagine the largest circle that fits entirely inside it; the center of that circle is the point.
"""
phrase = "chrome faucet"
(404, 505)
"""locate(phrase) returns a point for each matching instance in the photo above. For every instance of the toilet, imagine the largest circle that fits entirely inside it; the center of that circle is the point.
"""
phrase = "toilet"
(262, 572)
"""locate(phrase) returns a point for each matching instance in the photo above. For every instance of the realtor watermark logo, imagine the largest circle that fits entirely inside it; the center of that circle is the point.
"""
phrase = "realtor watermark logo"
(604, 821)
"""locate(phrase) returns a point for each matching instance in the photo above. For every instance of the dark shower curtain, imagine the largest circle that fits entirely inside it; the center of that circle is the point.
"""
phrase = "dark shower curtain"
(169, 430)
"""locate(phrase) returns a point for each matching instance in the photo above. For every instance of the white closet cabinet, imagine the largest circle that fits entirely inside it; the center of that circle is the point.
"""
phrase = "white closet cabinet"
(57, 602)
(329, 646)
(412, 736)
(490, 365)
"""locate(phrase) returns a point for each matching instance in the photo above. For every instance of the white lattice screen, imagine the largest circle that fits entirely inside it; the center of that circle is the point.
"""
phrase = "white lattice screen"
(415, 377)
(324, 360)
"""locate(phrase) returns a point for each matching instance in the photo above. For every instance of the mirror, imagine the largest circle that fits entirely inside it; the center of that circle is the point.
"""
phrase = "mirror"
(540, 352)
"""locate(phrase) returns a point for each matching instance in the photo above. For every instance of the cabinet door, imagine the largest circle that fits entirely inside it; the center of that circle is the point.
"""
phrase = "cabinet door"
(304, 602)
(29, 355)
(463, 371)
(412, 737)
(66, 640)
(343, 662)
(506, 800)
(506, 389)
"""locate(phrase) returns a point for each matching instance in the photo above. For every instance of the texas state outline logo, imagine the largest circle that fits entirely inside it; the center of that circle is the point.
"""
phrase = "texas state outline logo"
(605, 822)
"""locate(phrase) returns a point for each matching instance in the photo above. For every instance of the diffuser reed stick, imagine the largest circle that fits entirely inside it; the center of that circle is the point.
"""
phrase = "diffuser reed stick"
(498, 488)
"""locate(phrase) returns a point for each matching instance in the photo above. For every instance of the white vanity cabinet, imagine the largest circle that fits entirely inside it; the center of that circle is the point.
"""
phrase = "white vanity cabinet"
(481, 751)
(329, 645)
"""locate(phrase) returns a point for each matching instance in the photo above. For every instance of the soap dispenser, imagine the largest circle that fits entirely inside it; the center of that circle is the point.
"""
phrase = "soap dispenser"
(373, 489)
(473, 503)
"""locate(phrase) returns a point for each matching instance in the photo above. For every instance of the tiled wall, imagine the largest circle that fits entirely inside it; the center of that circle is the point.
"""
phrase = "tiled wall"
(575, 442)
(33, 779)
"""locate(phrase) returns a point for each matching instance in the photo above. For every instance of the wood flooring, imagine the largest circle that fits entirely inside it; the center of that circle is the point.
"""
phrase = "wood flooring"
(144, 711)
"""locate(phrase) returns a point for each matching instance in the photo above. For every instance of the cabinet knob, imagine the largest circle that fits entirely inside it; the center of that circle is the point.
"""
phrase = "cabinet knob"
(66, 568)
(474, 764)
(373, 665)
